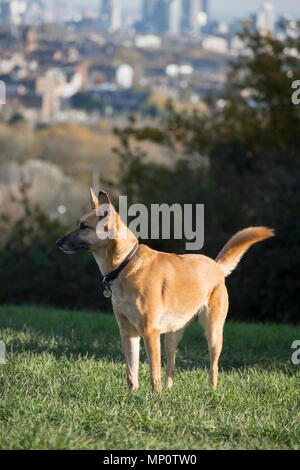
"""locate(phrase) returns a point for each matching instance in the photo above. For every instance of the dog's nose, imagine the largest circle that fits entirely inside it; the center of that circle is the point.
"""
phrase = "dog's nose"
(59, 242)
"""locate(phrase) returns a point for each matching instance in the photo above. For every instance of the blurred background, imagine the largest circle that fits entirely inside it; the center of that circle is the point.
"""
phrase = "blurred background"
(189, 101)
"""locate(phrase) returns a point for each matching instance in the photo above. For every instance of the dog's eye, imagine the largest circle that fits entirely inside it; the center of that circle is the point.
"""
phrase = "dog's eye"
(83, 227)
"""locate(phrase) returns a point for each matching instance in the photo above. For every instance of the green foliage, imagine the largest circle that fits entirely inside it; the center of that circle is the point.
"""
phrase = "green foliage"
(16, 118)
(241, 159)
(64, 387)
(87, 101)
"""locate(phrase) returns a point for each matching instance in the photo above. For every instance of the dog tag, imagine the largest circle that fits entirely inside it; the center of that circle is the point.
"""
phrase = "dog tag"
(107, 293)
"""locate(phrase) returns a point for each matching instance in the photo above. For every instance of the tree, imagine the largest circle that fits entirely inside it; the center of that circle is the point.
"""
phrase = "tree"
(241, 160)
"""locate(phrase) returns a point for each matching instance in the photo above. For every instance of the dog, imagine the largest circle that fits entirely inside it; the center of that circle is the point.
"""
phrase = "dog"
(156, 293)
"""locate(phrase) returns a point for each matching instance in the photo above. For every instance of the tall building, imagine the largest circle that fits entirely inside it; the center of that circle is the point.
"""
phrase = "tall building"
(34, 13)
(63, 11)
(5, 12)
(48, 12)
(205, 8)
(12, 11)
(265, 19)
(150, 15)
(190, 15)
(110, 15)
(162, 16)
(148, 10)
(166, 16)
(174, 17)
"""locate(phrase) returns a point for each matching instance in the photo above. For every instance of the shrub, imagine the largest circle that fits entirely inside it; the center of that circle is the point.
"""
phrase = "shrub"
(33, 270)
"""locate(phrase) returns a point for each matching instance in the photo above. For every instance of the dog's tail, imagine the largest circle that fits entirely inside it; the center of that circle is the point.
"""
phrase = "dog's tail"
(230, 255)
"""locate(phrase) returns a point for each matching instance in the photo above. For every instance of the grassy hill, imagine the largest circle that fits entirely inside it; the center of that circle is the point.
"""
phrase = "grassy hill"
(63, 387)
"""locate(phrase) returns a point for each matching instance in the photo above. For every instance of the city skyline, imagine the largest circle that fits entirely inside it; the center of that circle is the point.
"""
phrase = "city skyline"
(218, 11)
(233, 8)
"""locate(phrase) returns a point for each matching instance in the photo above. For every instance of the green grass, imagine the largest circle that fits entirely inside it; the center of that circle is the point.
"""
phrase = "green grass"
(63, 387)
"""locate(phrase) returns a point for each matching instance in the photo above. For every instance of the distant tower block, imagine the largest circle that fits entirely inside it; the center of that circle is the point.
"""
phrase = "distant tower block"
(174, 17)
(49, 11)
(205, 8)
(265, 19)
(110, 15)
(12, 12)
(190, 15)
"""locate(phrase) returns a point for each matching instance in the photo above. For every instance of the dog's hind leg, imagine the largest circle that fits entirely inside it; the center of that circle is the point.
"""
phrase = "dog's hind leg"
(213, 324)
(131, 346)
(172, 340)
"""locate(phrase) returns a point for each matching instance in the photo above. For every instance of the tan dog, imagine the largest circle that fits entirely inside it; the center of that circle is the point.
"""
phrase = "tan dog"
(159, 292)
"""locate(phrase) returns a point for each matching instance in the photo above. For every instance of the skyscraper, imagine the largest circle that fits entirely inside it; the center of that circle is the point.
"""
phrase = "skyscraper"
(62, 11)
(162, 16)
(205, 8)
(148, 9)
(265, 19)
(190, 15)
(110, 15)
(4, 12)
(12, 12)
(48, 11)
(174, 17)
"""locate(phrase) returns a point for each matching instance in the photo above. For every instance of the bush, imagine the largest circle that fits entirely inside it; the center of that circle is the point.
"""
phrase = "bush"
(242, 161)
(33, 270)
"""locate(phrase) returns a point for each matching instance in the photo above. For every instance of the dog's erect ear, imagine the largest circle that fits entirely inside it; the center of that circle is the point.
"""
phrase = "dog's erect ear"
(103, 198)
(105, 209)
(94, 200)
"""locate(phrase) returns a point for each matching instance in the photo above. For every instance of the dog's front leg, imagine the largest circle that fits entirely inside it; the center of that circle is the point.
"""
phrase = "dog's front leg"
(131, 347)
(152, 343)
(172, 340)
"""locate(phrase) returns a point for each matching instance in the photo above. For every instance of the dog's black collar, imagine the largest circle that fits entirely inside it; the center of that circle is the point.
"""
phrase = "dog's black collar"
(107, 280)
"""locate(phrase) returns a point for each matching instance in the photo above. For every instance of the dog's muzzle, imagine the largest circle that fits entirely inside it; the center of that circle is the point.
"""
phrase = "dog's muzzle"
(61, 243)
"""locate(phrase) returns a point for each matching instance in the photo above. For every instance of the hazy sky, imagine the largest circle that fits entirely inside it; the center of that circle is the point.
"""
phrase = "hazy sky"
(237, 8)
(243, 8)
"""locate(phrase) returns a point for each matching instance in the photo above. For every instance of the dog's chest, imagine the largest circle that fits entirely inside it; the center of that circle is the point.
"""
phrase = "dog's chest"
(124, 304)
